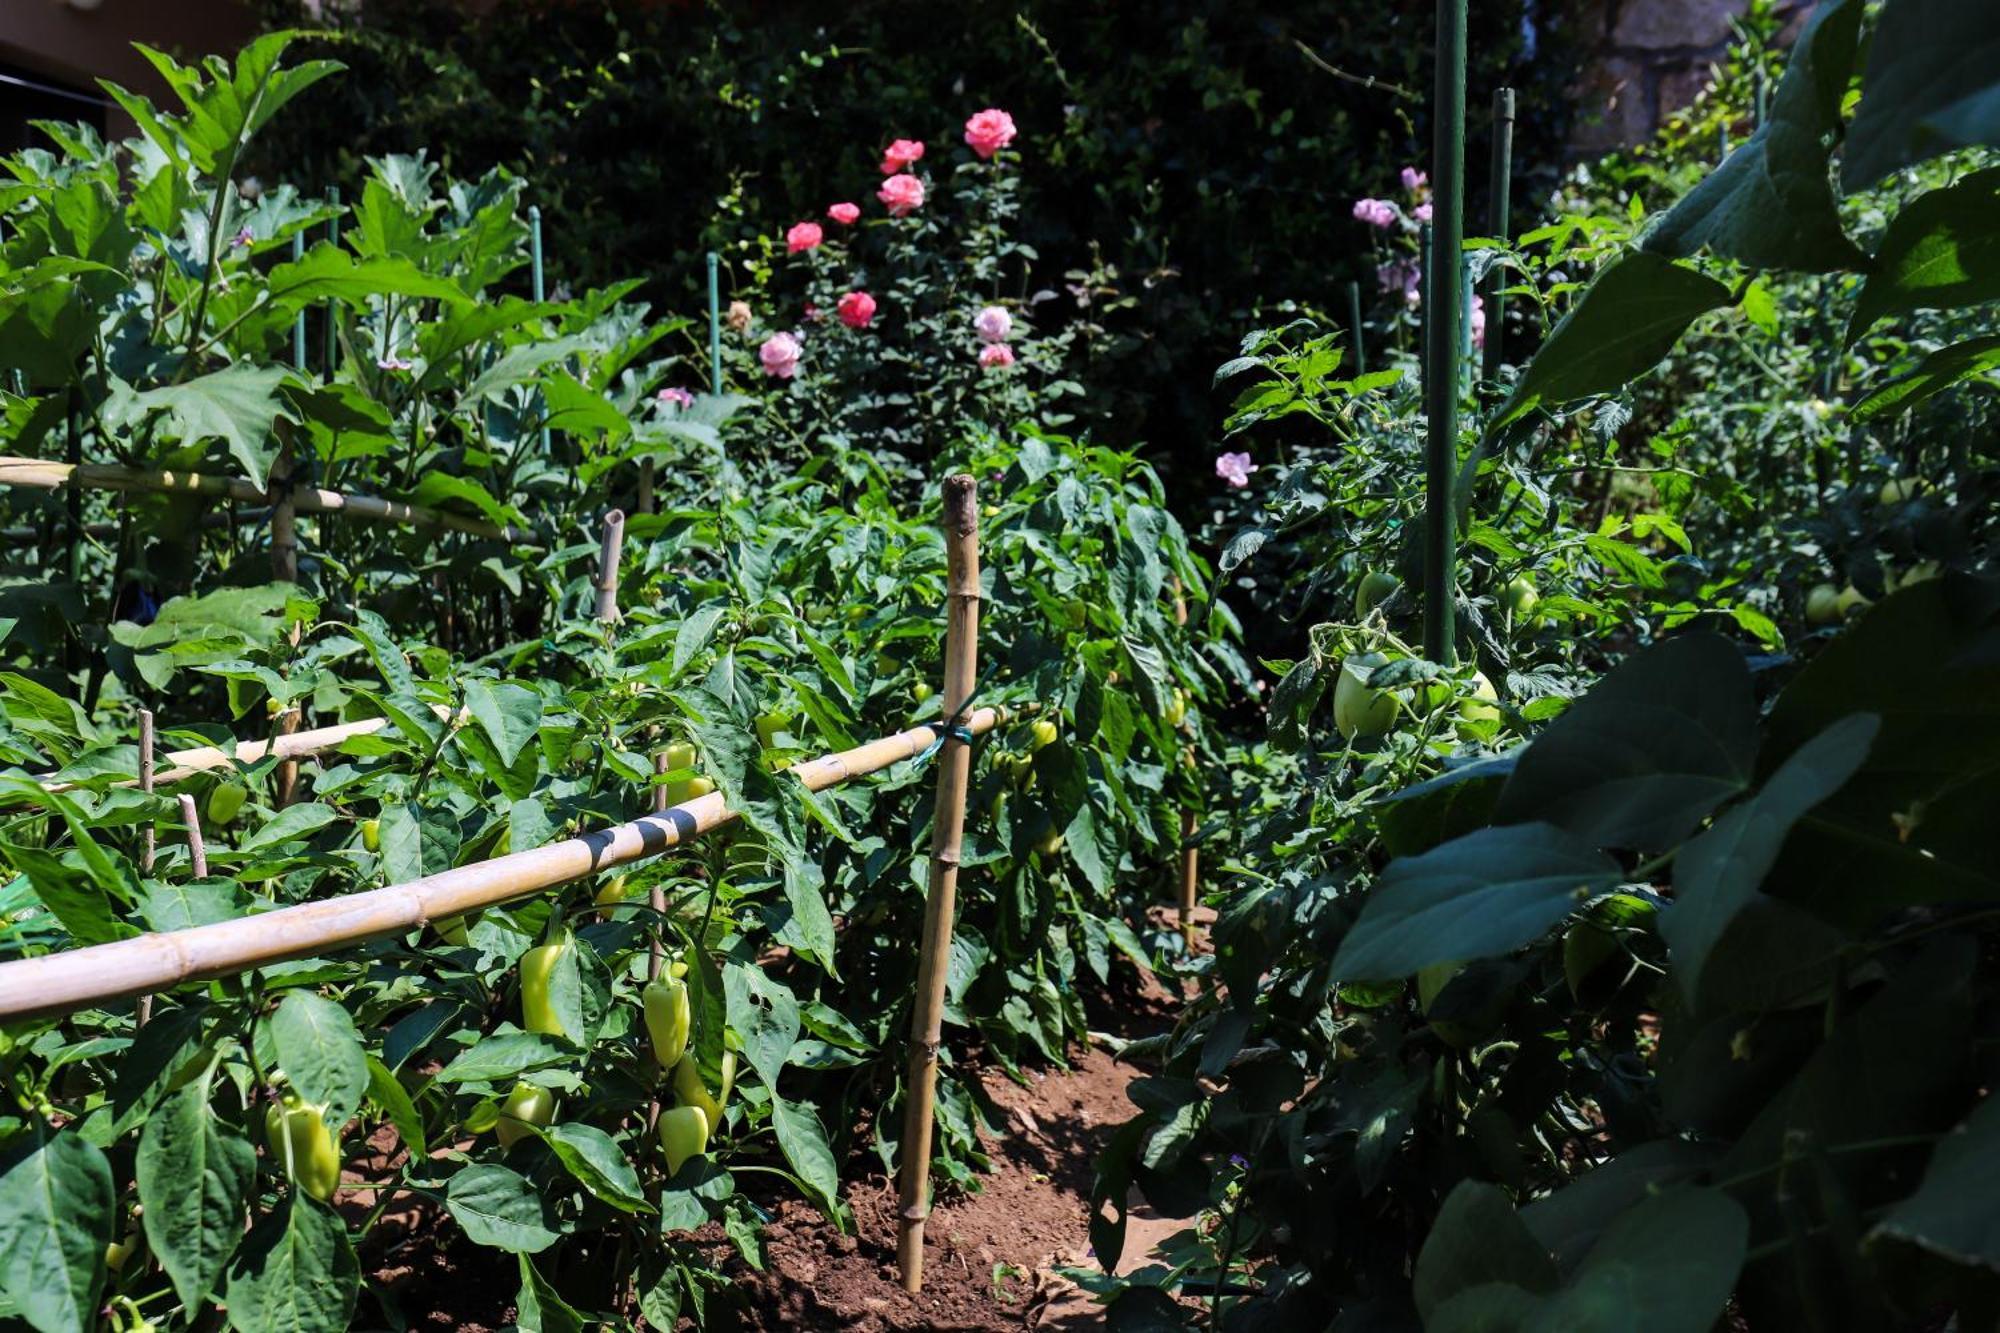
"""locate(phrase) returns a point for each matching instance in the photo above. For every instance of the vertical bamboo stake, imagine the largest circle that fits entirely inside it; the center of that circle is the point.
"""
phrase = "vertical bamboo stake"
(285, 569)
(1499, 221)
(607, 566)
(1441, 349)
(954, 761)
(1354, 323)
(148, 840)
(714, 326)
(197, 852)
(329, 354)
(536, 276)
(1190, 876)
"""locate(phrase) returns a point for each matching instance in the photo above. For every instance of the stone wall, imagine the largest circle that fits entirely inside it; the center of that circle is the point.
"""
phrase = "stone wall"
(1653, 58)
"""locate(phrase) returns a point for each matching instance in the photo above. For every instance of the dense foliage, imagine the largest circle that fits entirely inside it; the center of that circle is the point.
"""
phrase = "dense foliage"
(1696, 1024)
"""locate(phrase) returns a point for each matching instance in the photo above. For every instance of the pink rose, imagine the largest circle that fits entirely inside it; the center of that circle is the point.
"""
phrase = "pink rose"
(738, 318)
(675, 397)
(1404, 274)
(992, 325)
(901, 155)
(1414, 180)
(1478, 321)
(996, 356)
(903, 194)
(989, 131)
(803, 236)
(845, 214)
(1422, 212)
(1375, 212)
(1234, 469)
(856, 309)
(780, 355)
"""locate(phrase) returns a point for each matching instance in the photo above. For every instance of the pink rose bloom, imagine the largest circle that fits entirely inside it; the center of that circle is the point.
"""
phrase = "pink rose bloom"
(803, 236)
(900, 155)
(1478, 321)
(1422, 212)
(903, 194)
(1414, 180)
(1234, 469)
(1375, 212)
(856, 309)
(996, 356)
(780, 355)
(989, 131)
(845, 214)
(992, 324)
(675, 397)
(1405, 274)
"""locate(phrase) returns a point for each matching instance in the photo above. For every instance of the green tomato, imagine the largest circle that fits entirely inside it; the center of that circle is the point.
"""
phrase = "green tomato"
(1850, 601)
(922, 692)
(528, 1104)
(224, 801)
(1373, 590)
(1823, 605)
(1359, 711)
(1520, 596)
(1481, 708)
(1901, 490)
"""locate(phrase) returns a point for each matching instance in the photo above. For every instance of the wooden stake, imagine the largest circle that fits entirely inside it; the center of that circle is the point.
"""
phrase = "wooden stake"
(1190, 876)
(196, 851)
(954, 761)
(285, 569)
(607, 566)
(645, 505)
(58, 983)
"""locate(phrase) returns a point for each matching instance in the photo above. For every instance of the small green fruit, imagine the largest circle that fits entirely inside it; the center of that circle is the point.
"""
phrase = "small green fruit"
(683, 1135)
(224, 801)
(371, 835)
(1823, 605)
(1520, 596)
(1360, 712)
(1374, 589)
(528, 1104)
(1850, 602)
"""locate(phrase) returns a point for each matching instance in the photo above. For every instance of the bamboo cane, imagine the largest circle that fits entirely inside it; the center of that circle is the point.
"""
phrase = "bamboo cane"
(1190, 876)
(149, 842)
(607, 566)
(197, 850)
(285, 569)
(59, 983)
(43, 474)
(954, 761)
(187, 763)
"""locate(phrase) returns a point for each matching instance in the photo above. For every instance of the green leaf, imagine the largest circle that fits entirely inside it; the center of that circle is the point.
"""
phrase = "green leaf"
(764, 1013)
(1479, 896)
(194, 1182)
(290, 824)
(57, 1213)
(1937, 372)
(539, 1309)
(502, 1058)
(1770, 203)
(593, 1158)
(319, 1050)
(509, 714)
(177, 905)
(296, 1272)
(1942, 250)
(1718, 874)
(389, 1094)
(1478, 1238)
(1952, 1212)
(803, 1140)
(1933, 69)
(1643, 758)
(328, 272)
(1629, 319)
(236, 405)
(1666, 1266)
(502, 1208)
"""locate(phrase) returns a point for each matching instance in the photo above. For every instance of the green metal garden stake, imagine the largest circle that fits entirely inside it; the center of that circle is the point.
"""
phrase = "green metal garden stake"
(330, 354)
(714, 325)
(1441, 341)
(537, 281)
(1424, 293)
(299, 324)
(1499, 222)
(1354, 323)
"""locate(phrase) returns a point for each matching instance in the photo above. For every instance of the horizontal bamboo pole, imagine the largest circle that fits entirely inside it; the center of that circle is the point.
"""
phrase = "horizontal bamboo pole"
(61, 982)
(43, 474)
(187, 763)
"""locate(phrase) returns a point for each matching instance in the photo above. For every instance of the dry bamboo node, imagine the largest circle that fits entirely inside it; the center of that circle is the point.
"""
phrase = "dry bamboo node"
(1190, 876)
(608, 556)
(961, 654)
(79, 978)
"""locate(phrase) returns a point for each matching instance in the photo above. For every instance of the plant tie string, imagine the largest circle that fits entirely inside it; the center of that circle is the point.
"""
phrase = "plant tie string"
(952, 728)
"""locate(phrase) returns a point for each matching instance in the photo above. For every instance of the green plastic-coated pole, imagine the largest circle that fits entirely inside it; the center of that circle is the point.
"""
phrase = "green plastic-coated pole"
(714, 324)
(330, 325)
(1425, 291)
(1441, 343)
(1499, 221)
(299, 324)
(537, 280)
(1354, 324)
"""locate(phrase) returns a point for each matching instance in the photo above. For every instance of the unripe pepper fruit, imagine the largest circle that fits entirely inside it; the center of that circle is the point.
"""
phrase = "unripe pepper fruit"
(528, 1104)
(295, 1132)
(668, 1015)
(538, 965)
(683, 1134)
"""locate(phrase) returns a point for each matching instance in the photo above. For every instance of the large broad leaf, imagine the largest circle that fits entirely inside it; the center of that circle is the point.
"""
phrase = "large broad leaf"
(803, 1141)
(589, 1154)
(1479, 896)
(57, 1211)
(1667, 1266)
(1629, 319)
(1569, 1221)
(1718, 874)
(1937, 372)
(1933, 75)
(1952, 1213)
(316, 1045)
(328, 273)
(764, 1014)
(1643, 758)
(540, 1309)
(1770, 203)
(1913, 825)
(500, 1207)
(509, 714)
(236, 405)
(1477, 1239)
(1943, 250)
(194, 1181)
(295, 1272)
